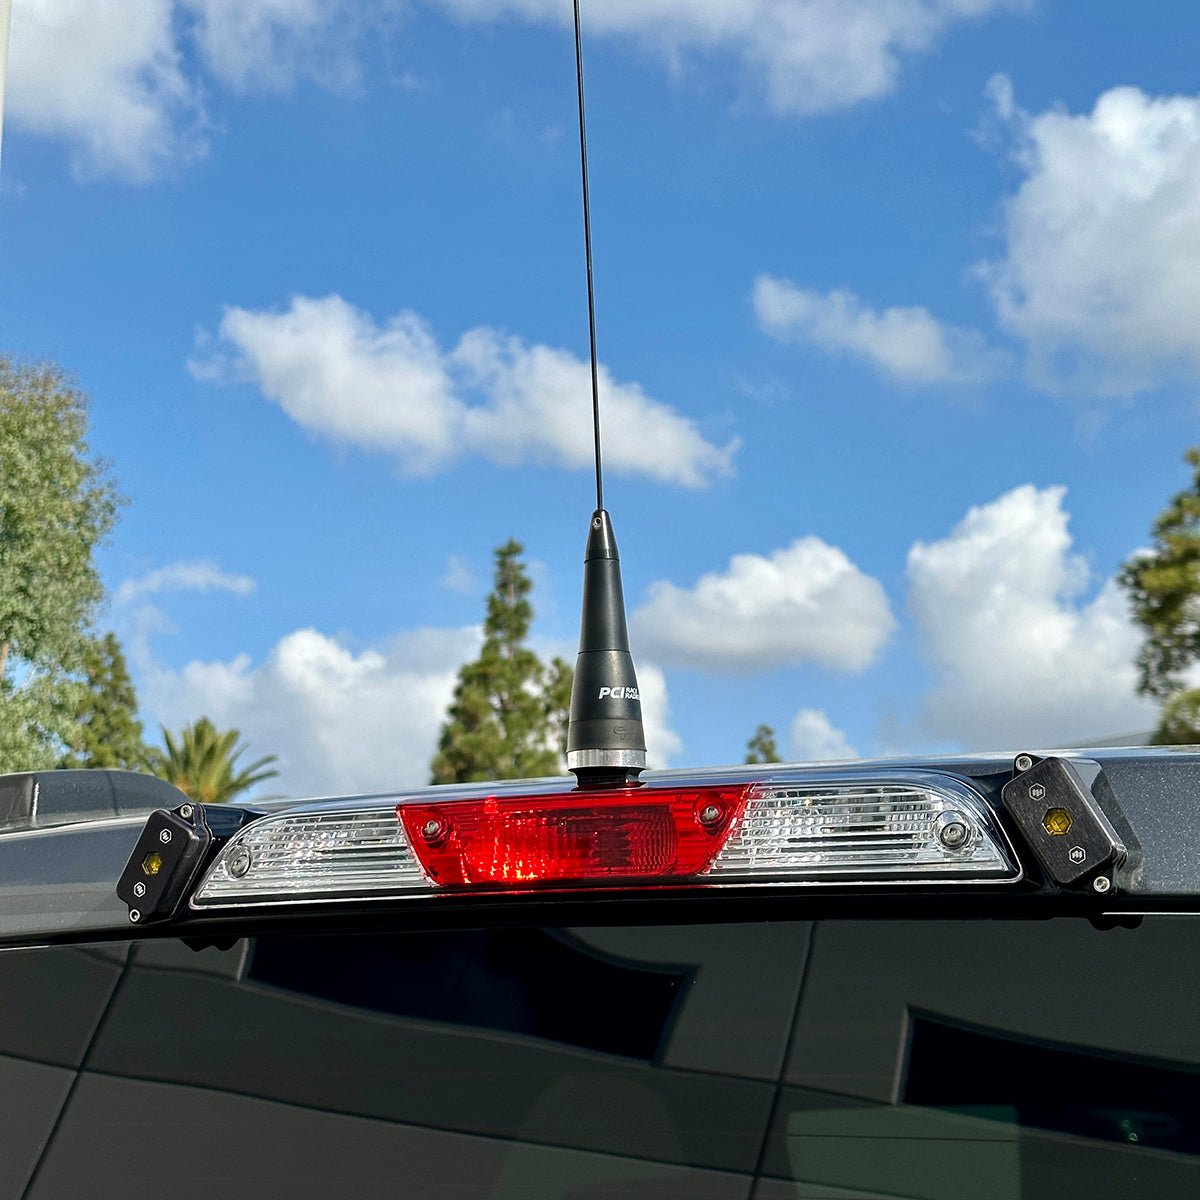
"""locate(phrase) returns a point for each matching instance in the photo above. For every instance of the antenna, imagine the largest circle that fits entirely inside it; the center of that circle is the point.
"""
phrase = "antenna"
(587, 246)
(606, 745)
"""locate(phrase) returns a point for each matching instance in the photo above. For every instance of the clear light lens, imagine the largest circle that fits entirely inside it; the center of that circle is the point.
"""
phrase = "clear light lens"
(312, 856)
(927, 828)
(792, 832)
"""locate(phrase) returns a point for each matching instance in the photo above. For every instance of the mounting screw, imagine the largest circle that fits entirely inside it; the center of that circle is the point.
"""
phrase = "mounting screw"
(953, 830)
(239, 861)
(1102, 883)
(434, 831)
(1023, 762)
(185, 811)
(134, 915)
(710, 814)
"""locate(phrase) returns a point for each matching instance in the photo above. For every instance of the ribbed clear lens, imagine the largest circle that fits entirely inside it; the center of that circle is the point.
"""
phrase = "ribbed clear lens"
(311, 856)
(864, 830)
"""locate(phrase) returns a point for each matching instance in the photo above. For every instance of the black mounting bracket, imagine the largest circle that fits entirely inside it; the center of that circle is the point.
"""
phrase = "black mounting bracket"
(1079, 842)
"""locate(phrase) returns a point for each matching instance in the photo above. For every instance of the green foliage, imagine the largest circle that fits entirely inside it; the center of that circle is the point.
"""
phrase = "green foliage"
(106, 732)
(203, 761)
(1179, 722)
(761, 747)
(1164, 593)
(508, 718)
(56, 505)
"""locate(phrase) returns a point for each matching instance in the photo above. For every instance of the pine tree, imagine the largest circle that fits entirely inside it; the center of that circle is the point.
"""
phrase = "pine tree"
(106, 731)
(761, 747)
(57, 504)
(508, 718)
(1164, 592)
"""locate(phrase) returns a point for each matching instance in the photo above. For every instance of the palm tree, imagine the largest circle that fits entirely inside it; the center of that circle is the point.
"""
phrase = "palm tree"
(203, 763)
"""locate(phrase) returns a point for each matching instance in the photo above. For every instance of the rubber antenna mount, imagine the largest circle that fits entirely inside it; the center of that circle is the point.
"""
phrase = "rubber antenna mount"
(605, 741)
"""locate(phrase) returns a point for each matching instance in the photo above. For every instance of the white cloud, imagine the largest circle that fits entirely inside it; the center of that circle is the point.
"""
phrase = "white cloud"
(106, 77)
(269, 45)
(908, 345)
(341, 722)
(804, 56)
(807, 602)
(110, 77)
(1022, 660)
(459, 576)
(196, 575)
(662, 742)
(1101, 268)
(337, 373)
(814, 738)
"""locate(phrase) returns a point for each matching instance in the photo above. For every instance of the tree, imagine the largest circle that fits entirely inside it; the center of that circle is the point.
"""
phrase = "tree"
(761, 747)
(56, 505)
(203, 761)
(1164, 591)
(106, 730)
(508, 718)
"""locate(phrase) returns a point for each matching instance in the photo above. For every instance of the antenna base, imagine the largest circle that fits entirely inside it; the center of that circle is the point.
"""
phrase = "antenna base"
(605, 740)
(582, 760)
(591, 778)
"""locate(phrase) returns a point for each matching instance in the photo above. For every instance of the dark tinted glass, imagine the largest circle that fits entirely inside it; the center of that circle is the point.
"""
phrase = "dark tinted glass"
(1088, 1093)
(989, 1060)
(520, 980)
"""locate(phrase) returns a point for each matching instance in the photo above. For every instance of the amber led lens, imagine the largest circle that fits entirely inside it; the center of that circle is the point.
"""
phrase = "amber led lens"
(152, 863)
(1057, 822)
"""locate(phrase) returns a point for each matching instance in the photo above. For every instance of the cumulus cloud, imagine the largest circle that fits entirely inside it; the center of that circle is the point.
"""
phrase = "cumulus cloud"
(112, 78)
(805, 603)
(269, 45)
(814, 738)
(341, 721)
(105, 76)
(459, 577)
(662, 742)
(194, 575)
(1101, 264)
(1022, 658)
(338, 374)
(802, 56)
(908, 345)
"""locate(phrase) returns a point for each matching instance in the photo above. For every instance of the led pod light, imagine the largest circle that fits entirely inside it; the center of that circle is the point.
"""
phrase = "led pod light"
(923, 828)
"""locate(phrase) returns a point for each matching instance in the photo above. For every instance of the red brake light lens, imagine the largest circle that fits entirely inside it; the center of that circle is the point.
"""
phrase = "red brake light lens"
(625, 833)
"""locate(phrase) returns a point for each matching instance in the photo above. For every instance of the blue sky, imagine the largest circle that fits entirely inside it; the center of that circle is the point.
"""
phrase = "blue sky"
(898, 309)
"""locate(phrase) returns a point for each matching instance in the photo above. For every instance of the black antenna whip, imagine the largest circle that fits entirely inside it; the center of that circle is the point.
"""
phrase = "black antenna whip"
(587, 245)
(605, 742)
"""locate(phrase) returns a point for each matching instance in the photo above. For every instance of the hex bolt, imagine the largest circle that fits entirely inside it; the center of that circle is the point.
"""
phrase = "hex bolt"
(1023, 763)
(1102, 883)
(185, 811)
